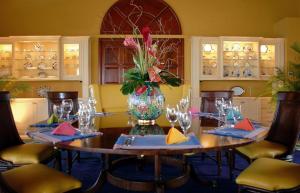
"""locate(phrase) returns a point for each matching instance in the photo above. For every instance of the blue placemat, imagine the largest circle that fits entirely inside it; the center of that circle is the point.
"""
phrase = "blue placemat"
(155, 142)
(44, 125)
(238, 133)
(48, 137)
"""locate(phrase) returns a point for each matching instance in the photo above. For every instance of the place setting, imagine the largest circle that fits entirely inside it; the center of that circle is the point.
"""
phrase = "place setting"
(174, 139)
(59, 127)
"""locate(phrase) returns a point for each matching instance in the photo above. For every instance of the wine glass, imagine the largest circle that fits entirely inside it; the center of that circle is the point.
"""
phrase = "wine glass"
(171, 115)
(57, 110)
(219, 107)
(183, 104)
(67, 105)
(185, 121)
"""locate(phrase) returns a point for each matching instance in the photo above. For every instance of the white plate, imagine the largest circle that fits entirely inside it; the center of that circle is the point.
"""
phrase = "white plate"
(237, 90)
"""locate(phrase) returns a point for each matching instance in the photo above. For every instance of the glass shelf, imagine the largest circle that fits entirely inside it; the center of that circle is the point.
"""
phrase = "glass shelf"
(6, 60)
(240, 59)
(71, 63)
(32, 58)
(209, 55)
(267, 60)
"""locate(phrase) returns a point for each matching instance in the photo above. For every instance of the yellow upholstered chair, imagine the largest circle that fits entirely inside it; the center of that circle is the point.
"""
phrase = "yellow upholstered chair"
(110, 98)
(270, 175)
(283, 135)
(37, 178)
(13, 152)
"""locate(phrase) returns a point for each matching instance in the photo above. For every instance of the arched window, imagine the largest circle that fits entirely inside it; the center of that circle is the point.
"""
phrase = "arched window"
(121, 18)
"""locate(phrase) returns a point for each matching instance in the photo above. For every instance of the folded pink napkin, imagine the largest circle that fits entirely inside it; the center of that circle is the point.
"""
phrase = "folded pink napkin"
(245, 124)
(64, 128)
(194, 110)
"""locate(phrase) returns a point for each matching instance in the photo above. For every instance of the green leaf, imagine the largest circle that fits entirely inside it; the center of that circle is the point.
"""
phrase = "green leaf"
(296, 46)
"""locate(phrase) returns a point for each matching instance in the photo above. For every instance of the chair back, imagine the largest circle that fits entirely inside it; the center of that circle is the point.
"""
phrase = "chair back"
(285, 127)
(208, 104)
(9, 133)
(56, 97)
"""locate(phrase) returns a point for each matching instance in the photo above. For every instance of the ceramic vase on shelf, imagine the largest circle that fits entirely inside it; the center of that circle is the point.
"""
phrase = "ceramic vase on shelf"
(146, 104)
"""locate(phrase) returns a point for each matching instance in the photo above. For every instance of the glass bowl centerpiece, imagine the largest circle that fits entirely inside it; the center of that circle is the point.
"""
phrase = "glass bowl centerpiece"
(141, 83)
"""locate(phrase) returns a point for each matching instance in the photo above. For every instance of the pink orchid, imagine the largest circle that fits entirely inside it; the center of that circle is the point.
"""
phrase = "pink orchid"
(129, 42)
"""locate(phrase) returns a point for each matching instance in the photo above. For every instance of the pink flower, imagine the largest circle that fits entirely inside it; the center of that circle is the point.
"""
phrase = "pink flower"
(129, 42)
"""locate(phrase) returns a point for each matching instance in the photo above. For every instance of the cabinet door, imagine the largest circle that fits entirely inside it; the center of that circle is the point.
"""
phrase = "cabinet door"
(36, 57)
(209, 58)
(250, 107)
(6, 57)
(75, 59)
(271, 56)
(240, 58)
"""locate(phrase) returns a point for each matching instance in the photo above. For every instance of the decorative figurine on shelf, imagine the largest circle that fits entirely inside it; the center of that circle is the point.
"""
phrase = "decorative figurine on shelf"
(146, 102)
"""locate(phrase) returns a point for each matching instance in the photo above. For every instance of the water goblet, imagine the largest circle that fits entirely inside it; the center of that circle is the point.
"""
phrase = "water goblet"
(57, 110)
(183, 104)
(185, 121)
(67, 105)
(219, 107)
(171, 115)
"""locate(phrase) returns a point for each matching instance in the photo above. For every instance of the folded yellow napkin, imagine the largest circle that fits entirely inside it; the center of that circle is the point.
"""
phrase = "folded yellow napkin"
(174, 136)
(52, 119)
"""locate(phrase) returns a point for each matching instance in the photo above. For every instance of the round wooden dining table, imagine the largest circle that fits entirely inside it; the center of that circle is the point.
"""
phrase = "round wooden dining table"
(113, 125)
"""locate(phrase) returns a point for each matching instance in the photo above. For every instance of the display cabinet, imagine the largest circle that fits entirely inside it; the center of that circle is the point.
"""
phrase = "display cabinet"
(75, 60)
(240, 58)
(209, 58)
(271, 56)
(36, 58)
(75, 52)
(6, 57)
(236, 58)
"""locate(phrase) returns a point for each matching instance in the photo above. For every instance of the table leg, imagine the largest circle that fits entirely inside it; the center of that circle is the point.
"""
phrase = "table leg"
(102, 175)
(202, 181)
(159, 187)
(69, 161)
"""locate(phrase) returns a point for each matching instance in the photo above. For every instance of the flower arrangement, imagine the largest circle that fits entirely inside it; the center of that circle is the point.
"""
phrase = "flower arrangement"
(148, 71)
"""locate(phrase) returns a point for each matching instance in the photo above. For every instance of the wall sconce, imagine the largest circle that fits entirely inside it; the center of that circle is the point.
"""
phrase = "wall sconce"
(264, 48)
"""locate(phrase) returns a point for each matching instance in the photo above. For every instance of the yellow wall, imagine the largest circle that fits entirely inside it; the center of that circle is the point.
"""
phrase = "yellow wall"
(197, 17)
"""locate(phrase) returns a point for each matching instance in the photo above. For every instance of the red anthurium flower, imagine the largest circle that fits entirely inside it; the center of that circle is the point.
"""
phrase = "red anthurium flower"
(154, 77)
(140, 90)
(146, 33)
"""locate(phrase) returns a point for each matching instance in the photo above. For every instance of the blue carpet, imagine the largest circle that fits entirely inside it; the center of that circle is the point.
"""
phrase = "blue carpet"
(90, 165)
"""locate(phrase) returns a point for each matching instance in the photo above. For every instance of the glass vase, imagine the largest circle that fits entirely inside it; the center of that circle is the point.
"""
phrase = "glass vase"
(147, 106)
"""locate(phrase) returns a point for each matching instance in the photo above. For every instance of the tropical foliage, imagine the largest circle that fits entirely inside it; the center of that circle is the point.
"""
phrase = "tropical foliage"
(148, 70)
(284, 81)
(14, 87)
